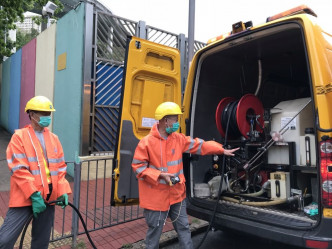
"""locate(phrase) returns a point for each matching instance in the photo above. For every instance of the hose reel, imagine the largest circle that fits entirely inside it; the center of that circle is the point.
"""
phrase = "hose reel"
(246, 116)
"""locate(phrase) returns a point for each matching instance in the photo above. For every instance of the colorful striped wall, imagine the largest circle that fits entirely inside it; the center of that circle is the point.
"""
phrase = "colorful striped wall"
(49, 65)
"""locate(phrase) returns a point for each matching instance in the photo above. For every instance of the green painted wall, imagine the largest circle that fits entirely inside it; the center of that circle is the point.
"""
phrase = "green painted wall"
(69, 82)
(5, 89)
(0, 88)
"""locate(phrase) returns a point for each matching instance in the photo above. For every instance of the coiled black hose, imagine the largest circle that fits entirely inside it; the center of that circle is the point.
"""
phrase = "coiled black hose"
(79, 215)
(228, 116)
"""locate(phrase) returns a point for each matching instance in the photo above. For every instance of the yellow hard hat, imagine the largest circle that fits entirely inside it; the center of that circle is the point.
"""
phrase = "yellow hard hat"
(40, 103)
(167, 108)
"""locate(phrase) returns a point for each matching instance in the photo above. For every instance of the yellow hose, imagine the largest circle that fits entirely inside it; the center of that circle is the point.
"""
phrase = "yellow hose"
(256, 194)
(255, 203)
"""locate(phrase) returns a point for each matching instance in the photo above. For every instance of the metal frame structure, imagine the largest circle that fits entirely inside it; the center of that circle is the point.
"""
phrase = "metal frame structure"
(105, 48)
(91, 187)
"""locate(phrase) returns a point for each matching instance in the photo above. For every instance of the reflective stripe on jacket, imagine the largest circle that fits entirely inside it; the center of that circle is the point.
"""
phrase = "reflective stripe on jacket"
(28, 175)
(155, 154)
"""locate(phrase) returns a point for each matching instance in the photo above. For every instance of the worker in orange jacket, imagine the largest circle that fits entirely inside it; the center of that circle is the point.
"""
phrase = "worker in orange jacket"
(37, 165)
(157, 162)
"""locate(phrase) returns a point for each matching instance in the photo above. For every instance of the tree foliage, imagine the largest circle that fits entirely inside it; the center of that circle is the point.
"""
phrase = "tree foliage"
(12, 11)
(23, 38)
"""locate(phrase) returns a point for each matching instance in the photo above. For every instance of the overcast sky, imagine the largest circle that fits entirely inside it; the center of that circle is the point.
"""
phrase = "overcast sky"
(213, 17)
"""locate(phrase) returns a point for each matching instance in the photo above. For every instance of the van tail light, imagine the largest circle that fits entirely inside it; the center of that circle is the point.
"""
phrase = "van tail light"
(317, 244)
(326, 171)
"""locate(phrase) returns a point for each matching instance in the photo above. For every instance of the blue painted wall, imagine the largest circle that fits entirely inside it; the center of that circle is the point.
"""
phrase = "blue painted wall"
(5, 90)
(15, 91)
(68, 82)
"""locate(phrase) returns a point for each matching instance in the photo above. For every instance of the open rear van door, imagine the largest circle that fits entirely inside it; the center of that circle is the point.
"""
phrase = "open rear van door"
(152, 75)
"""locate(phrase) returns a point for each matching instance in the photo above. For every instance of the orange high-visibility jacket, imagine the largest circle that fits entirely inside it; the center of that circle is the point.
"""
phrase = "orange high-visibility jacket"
(155, 154)
(26, 163)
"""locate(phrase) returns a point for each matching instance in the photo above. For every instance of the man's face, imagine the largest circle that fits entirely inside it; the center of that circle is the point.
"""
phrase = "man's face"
(171, 119)
(35, 115)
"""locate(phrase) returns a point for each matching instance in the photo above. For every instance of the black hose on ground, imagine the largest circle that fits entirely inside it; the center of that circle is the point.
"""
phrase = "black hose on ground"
(25, 230)
(220, 188)
(79, 215)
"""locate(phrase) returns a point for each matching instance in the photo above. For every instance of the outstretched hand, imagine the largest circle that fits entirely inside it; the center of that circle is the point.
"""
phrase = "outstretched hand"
(230, 152)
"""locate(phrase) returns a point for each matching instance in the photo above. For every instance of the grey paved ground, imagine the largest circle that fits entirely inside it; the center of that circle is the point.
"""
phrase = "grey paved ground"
(4, 172)
(167, 238)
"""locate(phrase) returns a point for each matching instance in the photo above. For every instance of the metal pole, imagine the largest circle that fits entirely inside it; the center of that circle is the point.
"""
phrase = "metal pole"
(141, 30)
(48, 21)
(184, 71)
(76, 201)
(191, 30)
(89, 68)
(43, 24)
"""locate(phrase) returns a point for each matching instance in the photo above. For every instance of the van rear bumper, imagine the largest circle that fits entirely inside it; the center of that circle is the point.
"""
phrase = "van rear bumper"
(270, 232)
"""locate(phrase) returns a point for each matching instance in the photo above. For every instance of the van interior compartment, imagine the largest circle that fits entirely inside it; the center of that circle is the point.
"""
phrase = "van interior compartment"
(258, 87)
